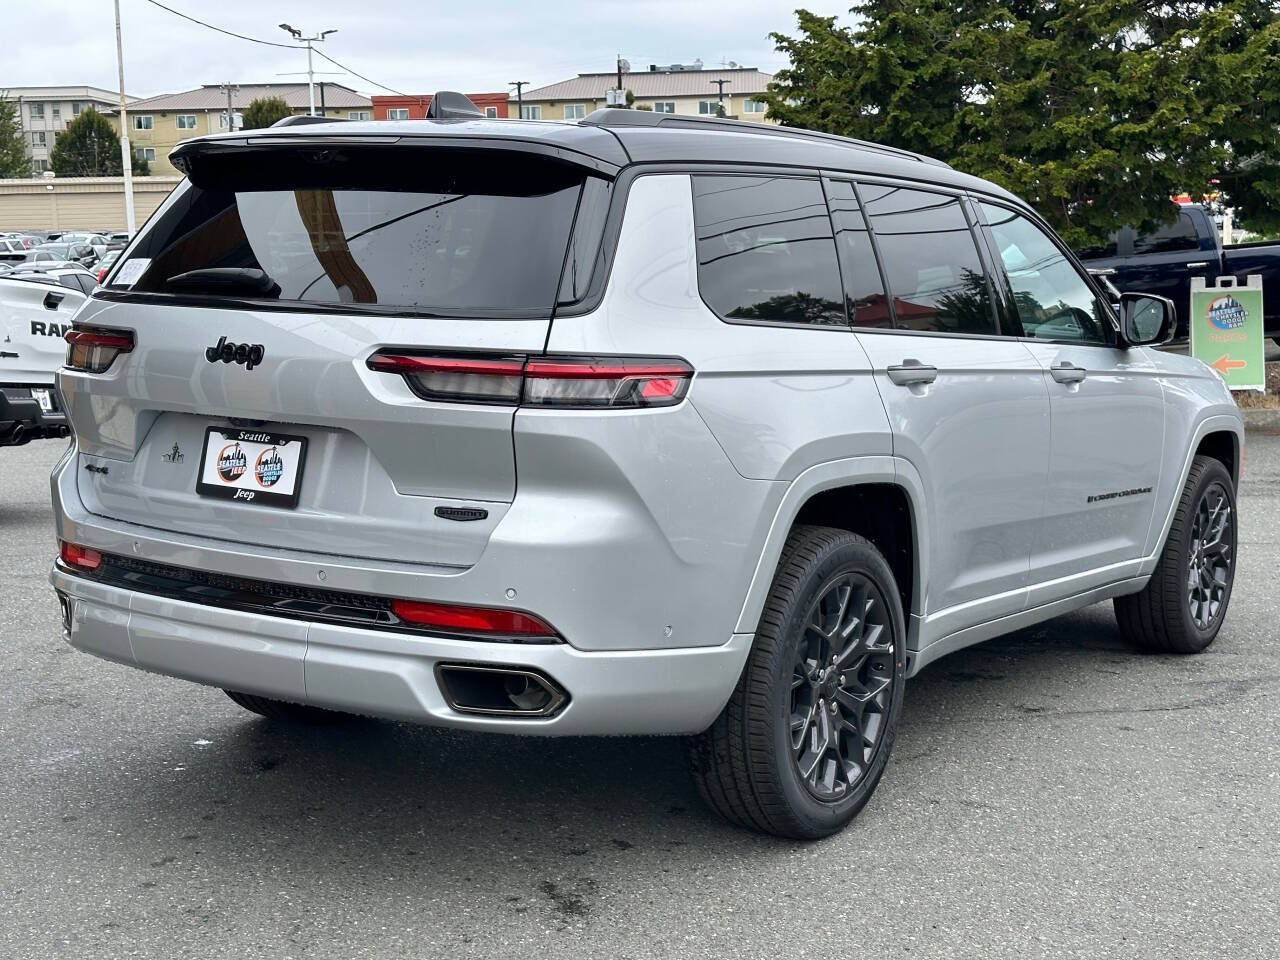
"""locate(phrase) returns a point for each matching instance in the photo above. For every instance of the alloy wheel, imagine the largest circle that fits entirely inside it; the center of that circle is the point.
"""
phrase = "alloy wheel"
(1212, 552)
(841, 686)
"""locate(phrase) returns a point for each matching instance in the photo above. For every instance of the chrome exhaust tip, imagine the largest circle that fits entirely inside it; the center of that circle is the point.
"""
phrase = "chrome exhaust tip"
(499, 691)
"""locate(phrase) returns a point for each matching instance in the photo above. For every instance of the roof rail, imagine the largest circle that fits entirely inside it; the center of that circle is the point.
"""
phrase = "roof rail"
(615, 117)
(303, 119)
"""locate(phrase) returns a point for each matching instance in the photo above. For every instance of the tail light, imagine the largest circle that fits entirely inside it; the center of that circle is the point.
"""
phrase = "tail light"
(78, 557)
(474, 621)
(93, 351)
(575, 382)
(102, 274)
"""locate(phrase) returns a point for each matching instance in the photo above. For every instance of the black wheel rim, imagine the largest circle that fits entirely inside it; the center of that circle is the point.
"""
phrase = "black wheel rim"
(1212, 552)
(841, 686)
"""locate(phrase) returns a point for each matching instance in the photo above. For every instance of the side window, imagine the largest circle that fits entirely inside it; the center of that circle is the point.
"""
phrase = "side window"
(1053, 301)
(863, 288)
(1180, 235)
(765, 249)
(930, 259)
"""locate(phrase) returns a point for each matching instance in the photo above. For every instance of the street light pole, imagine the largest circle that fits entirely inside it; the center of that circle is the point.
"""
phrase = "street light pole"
(126, 156)
(318, 38)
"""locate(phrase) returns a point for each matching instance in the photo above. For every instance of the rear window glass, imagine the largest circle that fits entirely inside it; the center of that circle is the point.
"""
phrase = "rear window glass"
(1179, 235)
(930, 260)
(765, 250)
(450, 232)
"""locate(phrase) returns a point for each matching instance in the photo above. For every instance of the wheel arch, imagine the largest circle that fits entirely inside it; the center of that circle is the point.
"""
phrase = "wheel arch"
(879, 498)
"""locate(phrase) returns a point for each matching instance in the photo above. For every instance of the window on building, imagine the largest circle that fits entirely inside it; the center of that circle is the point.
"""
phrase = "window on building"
(142, 121)
(664, 106)
(57, 114)
(77, 108)
(145, 153)
(38, 139)
(575, 111)
(765, 250)
(491, 113)
(1053, 301)
(930, 260)
(359, 115)
(398, 113)
(186, 121)
(709, 108)
(863, 288)
(1180, 235)
(238, 124)
(753, 106)
(532, 112)
(36, 111)
(40, 166)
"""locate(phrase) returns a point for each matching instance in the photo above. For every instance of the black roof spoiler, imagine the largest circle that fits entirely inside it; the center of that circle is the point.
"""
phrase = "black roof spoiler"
(616, 117)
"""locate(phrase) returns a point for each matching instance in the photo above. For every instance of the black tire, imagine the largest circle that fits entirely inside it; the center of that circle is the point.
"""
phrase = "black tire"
(1160, 617)
(288, 712)
(748, 764)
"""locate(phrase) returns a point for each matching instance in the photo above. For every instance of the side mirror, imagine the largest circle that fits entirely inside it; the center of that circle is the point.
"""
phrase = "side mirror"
(1147, 320)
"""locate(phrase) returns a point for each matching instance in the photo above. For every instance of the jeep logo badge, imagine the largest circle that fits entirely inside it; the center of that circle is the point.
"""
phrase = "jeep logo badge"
(250, 354)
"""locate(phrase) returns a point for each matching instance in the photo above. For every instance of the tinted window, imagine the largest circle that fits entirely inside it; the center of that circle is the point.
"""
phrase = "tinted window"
(1053, 301)
(930, 260)
(1180, 235)
(864, 291)
(765, 250)
(437, 230)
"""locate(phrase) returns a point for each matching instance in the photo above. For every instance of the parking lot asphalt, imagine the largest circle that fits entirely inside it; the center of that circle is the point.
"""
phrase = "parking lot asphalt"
(1051, 794)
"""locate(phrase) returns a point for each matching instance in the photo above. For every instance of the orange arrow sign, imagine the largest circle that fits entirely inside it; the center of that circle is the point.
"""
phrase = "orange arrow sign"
(1223, 365)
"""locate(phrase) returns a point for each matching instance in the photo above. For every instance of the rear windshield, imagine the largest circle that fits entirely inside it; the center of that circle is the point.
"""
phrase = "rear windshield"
(448, 232)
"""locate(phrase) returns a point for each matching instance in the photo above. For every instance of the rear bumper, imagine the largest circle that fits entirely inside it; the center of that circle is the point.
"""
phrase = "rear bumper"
(671, 691)
(21, 418)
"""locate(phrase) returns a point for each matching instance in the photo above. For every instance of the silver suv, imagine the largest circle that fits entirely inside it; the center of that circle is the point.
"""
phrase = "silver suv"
(636, 425)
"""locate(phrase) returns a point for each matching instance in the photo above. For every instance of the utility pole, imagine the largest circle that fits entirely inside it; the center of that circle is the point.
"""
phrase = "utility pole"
(519, 85)
(318, 38)
(126, 157)
(228, 88)
(720, 93)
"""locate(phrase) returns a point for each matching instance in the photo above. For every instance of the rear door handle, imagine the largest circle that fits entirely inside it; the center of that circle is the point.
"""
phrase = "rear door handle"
(1198, 265)
(1067, 372)
(911, 371)
(53, 300)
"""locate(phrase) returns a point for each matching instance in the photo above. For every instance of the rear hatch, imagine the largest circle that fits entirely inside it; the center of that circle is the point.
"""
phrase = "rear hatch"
(246, 409)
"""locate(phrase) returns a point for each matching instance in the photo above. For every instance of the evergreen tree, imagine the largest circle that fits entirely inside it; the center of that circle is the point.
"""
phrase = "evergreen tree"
(14, 161)
(264, 111)
(87, 148)
(1095, 111)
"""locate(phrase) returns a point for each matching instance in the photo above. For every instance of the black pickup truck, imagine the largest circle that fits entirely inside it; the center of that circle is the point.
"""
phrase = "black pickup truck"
(1164, 262)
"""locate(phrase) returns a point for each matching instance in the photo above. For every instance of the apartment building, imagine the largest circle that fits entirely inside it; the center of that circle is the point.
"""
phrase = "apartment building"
(415, 106)
(158, 124)
(44, 112)
(677, 88)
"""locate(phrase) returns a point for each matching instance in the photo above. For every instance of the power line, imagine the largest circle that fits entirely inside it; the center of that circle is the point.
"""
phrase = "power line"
(229, 33)
(380, 86)
(271, 43)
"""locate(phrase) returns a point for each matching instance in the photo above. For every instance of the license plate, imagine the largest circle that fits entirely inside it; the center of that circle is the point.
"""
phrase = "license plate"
(251, 466)
(45, 400)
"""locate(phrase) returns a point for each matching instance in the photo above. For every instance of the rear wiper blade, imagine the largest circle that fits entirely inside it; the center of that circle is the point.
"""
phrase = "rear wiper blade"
(245, 280)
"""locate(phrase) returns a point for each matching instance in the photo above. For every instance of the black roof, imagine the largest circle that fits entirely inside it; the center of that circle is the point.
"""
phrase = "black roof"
(609, 140)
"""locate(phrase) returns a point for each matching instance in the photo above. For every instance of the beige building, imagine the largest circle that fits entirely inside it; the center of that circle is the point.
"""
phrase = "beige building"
(44, 112)
(78, 203)
(680, 89)
(158, 124)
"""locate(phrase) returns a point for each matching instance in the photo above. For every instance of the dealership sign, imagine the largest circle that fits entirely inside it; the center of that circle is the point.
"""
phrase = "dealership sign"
(1227, 330)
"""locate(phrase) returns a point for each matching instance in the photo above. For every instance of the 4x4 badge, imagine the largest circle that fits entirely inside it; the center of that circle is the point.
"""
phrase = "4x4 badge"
(249, 354)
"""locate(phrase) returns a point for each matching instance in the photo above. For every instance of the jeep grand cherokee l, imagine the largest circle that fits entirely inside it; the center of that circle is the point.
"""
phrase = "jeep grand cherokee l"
(635, 425)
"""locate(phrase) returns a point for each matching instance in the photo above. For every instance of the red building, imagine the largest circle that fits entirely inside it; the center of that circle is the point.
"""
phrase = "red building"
(415, 108)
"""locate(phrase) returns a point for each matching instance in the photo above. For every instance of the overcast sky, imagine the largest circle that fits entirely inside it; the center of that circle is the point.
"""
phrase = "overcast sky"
(411, 46)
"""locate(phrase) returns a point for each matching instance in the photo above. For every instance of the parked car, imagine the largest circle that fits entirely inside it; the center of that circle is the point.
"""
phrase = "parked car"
(64, 273)
(12, 250)
(36, 305)
(117, 241)
(95, 240)
(783, 440)
(81, 253)
(105, 264)
(1165, 261)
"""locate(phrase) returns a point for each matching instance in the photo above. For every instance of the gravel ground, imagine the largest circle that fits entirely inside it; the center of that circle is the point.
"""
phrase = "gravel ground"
(1051, 794)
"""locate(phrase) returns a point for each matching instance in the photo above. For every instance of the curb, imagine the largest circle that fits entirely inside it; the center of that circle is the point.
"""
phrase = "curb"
(1262, 420)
